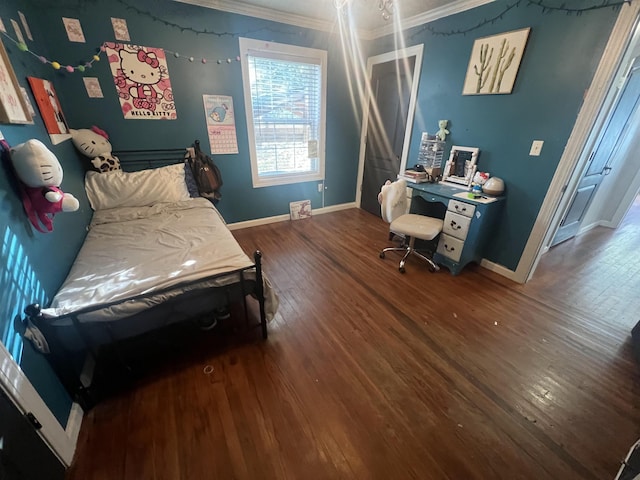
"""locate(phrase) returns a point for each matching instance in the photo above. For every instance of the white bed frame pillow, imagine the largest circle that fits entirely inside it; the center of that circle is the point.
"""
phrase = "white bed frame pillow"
(136, 189)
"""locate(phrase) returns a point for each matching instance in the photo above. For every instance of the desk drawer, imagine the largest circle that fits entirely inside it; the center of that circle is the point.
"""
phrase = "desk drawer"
(456, 225)
(462, 208)
(450, 247)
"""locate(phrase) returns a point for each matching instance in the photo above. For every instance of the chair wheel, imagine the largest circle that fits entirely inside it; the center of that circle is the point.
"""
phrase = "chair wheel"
(381, 254)
(402, 270)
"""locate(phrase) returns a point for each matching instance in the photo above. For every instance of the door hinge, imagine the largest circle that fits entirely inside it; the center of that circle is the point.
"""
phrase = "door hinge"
(33, 420)
(564, 189)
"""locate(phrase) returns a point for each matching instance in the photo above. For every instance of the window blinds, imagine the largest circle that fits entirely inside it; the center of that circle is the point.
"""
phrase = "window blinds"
(286, 98)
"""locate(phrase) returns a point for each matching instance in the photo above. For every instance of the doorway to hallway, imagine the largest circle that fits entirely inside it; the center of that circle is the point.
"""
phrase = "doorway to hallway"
(597, 272)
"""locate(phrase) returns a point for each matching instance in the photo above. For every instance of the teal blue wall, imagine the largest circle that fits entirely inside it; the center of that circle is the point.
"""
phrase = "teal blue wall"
(558, 65)
(35, 264)
(191, 80)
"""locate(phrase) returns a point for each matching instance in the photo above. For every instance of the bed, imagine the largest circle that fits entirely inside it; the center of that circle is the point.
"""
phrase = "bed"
(154, 255)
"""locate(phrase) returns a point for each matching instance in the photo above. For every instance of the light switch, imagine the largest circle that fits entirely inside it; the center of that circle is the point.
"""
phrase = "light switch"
(536, 148)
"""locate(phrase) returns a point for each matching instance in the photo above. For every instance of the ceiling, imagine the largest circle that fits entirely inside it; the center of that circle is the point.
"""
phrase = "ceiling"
(322, 14)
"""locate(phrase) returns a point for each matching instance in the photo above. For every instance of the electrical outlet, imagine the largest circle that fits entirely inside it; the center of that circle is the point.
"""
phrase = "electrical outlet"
(320, 187)
(536, 148)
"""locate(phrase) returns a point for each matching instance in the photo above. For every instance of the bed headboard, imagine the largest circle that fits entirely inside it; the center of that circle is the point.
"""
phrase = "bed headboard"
(133, 160)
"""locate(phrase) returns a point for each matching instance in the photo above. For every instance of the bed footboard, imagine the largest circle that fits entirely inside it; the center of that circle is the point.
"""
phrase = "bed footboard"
(250, 282)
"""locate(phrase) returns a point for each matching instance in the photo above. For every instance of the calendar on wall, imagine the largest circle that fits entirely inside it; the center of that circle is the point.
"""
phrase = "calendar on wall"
(221, 123)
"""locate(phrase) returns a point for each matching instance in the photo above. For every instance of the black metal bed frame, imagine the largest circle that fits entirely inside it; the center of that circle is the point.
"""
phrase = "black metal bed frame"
(59, 356)
(151, 158)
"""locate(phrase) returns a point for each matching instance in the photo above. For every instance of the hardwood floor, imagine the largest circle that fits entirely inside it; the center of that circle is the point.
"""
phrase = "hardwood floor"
(371, 374)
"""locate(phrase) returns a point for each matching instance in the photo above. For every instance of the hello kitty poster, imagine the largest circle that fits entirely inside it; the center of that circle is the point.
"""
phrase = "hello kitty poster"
(142, 81)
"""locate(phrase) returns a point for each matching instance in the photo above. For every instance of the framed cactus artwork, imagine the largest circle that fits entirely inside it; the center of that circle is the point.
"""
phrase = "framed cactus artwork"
(494, 63)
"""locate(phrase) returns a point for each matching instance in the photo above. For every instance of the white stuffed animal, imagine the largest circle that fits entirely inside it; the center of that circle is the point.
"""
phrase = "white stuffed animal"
(41, 173)
(94, 143)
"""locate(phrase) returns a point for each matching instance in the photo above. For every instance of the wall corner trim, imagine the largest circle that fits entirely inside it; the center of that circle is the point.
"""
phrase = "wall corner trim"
(499, 269)
(22, 393)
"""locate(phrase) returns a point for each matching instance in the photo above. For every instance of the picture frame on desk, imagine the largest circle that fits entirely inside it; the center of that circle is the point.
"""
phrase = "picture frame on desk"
(461, 166)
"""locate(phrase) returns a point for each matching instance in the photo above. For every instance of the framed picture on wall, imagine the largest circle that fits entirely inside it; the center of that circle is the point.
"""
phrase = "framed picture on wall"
(13, 108)
(494, 63)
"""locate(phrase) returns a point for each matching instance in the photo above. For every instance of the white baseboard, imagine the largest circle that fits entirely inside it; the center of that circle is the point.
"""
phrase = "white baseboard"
(499, 269)
(285, 218)
(335, 208)
(74, 423)
(601, 223)
(590, 227)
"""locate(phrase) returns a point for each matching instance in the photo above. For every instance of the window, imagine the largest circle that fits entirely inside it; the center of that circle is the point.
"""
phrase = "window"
(285, 98)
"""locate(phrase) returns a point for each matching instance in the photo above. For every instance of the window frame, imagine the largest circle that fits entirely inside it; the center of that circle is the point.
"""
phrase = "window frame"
(281, 51)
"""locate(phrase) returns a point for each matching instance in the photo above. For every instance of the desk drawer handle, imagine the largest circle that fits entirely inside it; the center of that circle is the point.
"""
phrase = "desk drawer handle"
(455, 226)
(463, 209)
(449, 249)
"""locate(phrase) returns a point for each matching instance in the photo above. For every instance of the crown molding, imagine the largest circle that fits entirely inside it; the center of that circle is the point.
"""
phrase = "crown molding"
(302, 21)
(425, 17)
(240, 8)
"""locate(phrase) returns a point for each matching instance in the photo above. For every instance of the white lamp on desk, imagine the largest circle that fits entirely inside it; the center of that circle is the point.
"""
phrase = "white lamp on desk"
(493, 186)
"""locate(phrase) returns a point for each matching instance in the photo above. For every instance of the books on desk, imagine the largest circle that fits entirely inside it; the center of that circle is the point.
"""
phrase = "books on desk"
(414, 176)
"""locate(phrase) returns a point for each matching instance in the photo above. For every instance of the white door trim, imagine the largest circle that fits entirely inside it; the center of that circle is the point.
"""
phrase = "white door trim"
(416, 51)
(21, 392)
(573, 160)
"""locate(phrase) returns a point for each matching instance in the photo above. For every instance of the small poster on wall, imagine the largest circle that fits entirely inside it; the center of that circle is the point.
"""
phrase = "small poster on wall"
(92, 85)
(120, 29)
(142, 81)
(16, 29)
(74, 30)
(25, 25)
(221, 123)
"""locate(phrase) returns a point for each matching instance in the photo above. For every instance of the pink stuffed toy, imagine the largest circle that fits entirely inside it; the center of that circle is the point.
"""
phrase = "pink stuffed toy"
(41, 174)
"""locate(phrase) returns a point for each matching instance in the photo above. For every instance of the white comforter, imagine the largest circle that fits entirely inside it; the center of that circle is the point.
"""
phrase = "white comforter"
(133, 251)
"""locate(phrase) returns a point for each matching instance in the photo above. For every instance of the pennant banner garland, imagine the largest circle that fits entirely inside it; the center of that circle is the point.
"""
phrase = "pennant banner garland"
(142, 81)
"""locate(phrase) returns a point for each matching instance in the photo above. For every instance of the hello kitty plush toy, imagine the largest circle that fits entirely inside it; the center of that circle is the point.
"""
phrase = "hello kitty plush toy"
(94, 143)
(41, 174)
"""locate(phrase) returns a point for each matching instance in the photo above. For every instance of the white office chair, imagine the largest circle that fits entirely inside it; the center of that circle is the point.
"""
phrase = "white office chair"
(393, 205)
